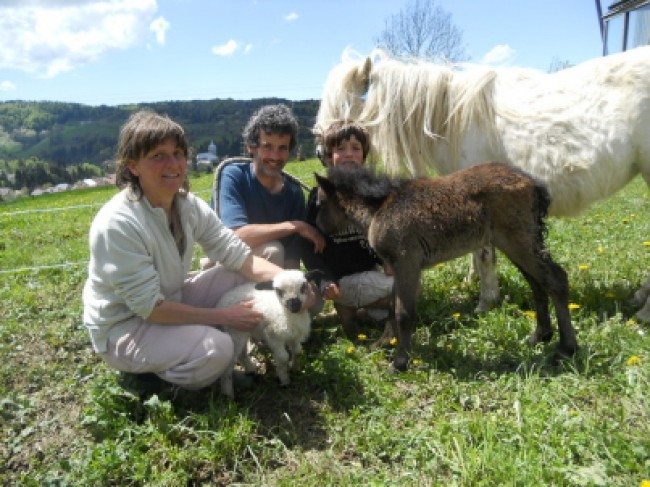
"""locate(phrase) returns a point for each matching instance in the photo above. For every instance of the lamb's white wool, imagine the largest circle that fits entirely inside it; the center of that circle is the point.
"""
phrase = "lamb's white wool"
(284, 327)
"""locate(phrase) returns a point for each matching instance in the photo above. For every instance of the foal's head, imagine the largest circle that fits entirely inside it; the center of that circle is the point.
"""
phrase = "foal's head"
(350, 195)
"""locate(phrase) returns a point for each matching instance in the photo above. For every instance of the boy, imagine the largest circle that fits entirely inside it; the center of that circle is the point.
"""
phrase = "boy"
(353, 276)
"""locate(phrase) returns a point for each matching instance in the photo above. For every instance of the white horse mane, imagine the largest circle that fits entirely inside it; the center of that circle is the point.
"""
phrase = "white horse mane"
(435, 102)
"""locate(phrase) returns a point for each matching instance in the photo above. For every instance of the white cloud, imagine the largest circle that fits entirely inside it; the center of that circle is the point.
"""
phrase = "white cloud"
(160, 26)
(248, 48)
(499, 54)
(48, 38)
(227, 49)
(291, 17)
(7, 86)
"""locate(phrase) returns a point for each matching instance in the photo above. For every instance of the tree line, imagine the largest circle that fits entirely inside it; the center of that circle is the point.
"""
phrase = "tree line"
(53, 142)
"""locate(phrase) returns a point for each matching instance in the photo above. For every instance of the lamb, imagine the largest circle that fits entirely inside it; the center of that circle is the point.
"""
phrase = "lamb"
(283, 328)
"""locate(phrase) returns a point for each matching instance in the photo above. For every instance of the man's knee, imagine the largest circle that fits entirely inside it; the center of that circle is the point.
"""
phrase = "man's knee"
(272, 251)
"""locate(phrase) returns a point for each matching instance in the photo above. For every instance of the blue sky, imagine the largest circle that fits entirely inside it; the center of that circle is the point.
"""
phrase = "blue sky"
(127, 51)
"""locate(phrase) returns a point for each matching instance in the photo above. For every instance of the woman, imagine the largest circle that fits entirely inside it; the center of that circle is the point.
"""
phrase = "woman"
(144, 313)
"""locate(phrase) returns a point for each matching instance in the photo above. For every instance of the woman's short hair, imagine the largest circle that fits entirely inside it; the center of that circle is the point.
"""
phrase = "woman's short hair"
(141, 133)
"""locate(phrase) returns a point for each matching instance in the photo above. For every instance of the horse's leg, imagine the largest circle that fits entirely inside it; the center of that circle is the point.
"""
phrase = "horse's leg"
(405, 291)
(543, 331)
(642, 296)
(484, 261)
(554, 279)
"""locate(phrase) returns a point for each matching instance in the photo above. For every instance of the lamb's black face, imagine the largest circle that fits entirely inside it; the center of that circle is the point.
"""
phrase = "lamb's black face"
(293, 298)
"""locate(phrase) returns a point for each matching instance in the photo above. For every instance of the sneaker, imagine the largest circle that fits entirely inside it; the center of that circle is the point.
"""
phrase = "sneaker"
(244, 381)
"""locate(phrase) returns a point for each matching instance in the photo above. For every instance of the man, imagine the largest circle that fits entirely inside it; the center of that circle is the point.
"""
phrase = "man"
(264, 207)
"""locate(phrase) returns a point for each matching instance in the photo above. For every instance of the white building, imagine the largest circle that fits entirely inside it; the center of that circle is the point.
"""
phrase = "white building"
(207, 161)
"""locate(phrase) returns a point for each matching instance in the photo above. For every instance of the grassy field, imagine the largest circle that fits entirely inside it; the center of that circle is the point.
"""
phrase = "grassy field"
(478, 407)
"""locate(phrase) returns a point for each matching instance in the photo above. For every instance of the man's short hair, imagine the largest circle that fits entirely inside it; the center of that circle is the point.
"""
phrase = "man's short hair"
(271, 119)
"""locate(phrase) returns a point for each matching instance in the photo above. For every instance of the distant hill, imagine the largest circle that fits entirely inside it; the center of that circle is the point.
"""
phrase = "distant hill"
(71, 133)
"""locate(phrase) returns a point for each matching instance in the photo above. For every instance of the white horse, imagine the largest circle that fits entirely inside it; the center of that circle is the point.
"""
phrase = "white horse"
(583, 131)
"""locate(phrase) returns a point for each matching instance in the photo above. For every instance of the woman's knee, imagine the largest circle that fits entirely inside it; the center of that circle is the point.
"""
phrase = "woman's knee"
(206, 362)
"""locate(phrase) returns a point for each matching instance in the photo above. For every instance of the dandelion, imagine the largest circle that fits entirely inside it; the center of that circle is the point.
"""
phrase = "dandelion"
(609, 294)
(456, 315)
(630, 322)
(645, 483)
(600, 250)
(531, 314)
(393, 341)
(361, 336)
(625, 220)
(582, 267)
(634, 360)
(441, 264)
(647, 243)
(416, 361)
(574, 306)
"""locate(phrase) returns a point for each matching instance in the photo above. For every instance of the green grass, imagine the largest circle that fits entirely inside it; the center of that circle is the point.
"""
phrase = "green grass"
(478, 407)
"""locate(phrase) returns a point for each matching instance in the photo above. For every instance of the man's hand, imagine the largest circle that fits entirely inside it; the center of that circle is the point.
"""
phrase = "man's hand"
(311, 233)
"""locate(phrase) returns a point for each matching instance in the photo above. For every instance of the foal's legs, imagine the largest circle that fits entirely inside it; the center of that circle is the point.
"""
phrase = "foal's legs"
(641, 298)
(407, 278)
(545, 278)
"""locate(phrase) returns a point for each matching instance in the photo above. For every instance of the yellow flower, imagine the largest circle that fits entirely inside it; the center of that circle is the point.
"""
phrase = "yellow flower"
(583, 267)
(630, 323)
(625, 220)
(574, 306)
(531, 314)
(350, 349)
(456, 315)
(634, 360)
(393, 341)
(416, 361)
(361, 336)
(440, 265)
(600, 250)
(647, 243)
(645, 483)
(610, 294)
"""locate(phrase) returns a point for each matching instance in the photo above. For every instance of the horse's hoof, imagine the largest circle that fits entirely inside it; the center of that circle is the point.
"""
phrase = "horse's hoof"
(536, 338)
(382, 342)
(644, 313)
(564, 353)
(400, 364)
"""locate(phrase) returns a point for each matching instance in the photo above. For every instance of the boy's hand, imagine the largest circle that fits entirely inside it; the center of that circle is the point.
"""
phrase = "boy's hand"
(331, 291)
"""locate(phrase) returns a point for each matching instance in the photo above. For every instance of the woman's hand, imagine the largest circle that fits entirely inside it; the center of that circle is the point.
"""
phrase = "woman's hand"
(242, 316)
